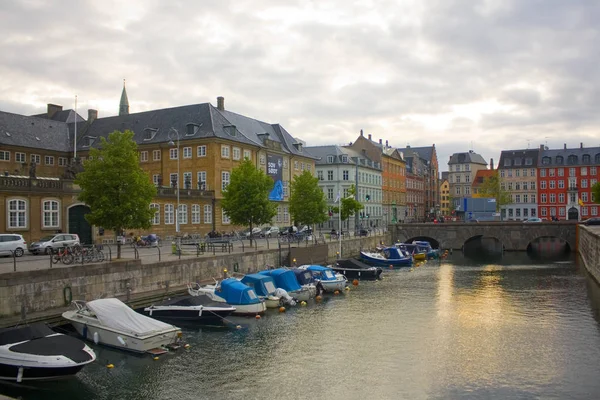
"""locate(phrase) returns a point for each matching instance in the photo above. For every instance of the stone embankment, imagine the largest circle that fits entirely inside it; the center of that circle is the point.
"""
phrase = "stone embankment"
(589, 249)
(44, 294)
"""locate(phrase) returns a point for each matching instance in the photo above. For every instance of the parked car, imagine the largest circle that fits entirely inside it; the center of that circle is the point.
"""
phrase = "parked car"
(12, 242)
(592, 221)
(49, 244)
(306, 229)
(270, 231)
(255, 232)
(532, 220)
(289, 229)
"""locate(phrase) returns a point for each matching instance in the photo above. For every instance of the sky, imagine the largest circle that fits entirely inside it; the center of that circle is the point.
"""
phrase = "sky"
(464, 75)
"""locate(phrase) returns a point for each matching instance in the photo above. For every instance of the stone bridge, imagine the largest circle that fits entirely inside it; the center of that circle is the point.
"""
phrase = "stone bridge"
(513, 236)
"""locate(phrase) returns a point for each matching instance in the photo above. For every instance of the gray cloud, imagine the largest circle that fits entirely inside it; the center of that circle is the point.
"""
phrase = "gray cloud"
(460, 74)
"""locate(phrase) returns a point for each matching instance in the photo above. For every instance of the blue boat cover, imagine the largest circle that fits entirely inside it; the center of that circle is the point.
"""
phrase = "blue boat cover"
(284, 278)
(235, 292)
(263, 285)
(303, 276)
(323, 273)
(393, 253)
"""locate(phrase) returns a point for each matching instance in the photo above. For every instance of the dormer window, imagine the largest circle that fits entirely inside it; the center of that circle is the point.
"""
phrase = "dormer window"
(528, 161)
(546, 161)
(597, 158)
(507, 162)
(572, 159)
(191, 129)
(344, 158)
(330, 159)
(229, 129)
(149, 133)
(88, 141)
(560, 160)
(298, 147)
(586, 159)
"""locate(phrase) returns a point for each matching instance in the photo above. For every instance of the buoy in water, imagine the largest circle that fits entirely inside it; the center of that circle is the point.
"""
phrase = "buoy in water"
(355, 282)
(110, 366)
(336, 292)
(346, 288)
(238, 327)
(303, 303)
(318, 298)
(282, 309)
(186, 346)
(257, 316)
(155, 358)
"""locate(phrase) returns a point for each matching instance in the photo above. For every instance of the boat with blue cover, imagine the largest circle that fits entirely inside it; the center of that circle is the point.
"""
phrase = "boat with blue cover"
(389, 256)
(326, 277)
(264, 286)
(412, 249)
(233, 292)
(424, 246)
(285, 279)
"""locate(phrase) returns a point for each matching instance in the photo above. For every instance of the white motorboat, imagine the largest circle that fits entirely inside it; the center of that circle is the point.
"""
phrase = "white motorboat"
(326, 277)
(233, 292)
(36, 352)
(286, 279)
(112, 323)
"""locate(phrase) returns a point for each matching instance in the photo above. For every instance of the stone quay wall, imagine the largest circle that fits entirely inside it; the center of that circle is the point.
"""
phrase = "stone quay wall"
(37, 291)
(589, 249)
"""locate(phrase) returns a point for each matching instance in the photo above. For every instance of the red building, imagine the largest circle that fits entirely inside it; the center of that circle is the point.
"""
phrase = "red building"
(565, 180)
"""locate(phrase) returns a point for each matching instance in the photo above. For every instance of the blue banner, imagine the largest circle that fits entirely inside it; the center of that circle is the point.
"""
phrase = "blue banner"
(275, 171)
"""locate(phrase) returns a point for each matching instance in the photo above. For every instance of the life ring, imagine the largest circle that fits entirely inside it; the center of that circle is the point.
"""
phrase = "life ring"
(236, 267)
(67, 295)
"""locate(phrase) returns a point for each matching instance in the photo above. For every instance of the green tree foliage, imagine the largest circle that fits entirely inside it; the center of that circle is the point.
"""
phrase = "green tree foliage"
(307, 201)
(350, 205)
(491, 188)
(246, 199)
(114, 186)
(596, 192)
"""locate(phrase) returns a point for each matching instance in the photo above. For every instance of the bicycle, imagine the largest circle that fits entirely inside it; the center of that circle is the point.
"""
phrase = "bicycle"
(63, 254)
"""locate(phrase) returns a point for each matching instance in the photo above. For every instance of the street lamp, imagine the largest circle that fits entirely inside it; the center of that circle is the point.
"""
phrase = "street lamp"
(171, 143)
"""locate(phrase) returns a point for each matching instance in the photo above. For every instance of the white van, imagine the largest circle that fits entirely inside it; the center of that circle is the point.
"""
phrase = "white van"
(12, 242)
(270, 231)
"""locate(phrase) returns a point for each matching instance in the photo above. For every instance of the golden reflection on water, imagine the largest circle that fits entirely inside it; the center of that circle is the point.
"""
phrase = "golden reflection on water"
(483, 335)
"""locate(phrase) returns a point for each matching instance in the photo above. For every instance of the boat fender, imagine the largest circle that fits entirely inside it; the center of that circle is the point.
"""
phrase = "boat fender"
(120, 339)
(67, 295)
(20, 375)
(236, 267)
(85, 330)
(96, 337)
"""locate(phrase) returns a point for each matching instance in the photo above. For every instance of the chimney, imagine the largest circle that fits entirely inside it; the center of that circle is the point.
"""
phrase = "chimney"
(565, 146)
(386, 143)
(380, 141)
(53, 109)
(369, 136)
(491, 163)
(221, 103)
(92, 115)
(361, 132)
(541, 147)
(581, 145)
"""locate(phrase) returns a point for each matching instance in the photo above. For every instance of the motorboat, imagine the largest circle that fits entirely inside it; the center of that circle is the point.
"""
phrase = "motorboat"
(112, 323)
(425, 247)
(355, 269)
(265, 288)
(412, 249)
(233, 292)
(36, 352)
(307, 280)
(286, 279)
(389, 256)
(326, 277)
(195, 309)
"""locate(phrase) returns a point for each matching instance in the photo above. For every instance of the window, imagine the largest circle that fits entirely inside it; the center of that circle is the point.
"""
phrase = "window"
(543, 173)
(543, 211)
(50, 214)
(525, 212)
(529, 161)
(155, 179)
(344, 158)
(224, 180)
(561, 184)
(506, 162)
(62, 161)
(517, 198)
(501, 173)
(174, 154)
(467, 190)
(584, 197)
(156, 155)
(560, 171)
(510, 174)
(561, 211)
(17, 213)
(329, 175)
(20, 157)
(571, 171)
(143, 156)
(559, 160)
(532, 185)
(584, 183)
(561, 198)
(4, 155)
(329, 193)
(457, 190)
(187, 152)
(593, 171)
(187, 180)
(330, 159)
(551, 172)
(285, 188)
(286, 216)
(320, 175)
(225, 218)
(595, 210)
(552, 198)
(296, 165)
(517, 161)
(542, 184)
(202, 180)
(224, 151)
(174, 179)
(169, 218)
(263, 160)
(525, 198)
(572, 159)
(584, 211)
(195, 214)
(517, 185)
(583, 171)
(236, 153)
(207, 214)
(248, 155)
(345, 175)
(49, 160)
(524, 185)
(543, 198)
(156, 217)
(517, 172)
(35, 158)
(552, 184)
(201, 151)
(545, 160)
(533, 199)
(183, 214)
(518, 213)
(533, 212)
(302, 166)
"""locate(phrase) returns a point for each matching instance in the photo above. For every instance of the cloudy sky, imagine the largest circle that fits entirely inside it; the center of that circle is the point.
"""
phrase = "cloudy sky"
(460, 74)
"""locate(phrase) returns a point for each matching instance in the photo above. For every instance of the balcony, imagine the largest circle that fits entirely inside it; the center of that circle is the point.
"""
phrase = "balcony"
(166, 191)
(573, 189)
(19, 183)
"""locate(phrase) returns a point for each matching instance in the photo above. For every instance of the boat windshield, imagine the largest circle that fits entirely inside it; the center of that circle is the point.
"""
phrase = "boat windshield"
(252, 294)
(270, 287)
(329, 274)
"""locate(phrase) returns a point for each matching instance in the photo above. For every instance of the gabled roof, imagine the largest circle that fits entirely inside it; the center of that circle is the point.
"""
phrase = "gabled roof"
(469, 157)
(426, 153)
(527, 158)
(321, 153)
(67, 116)
(33, 132)
(576, 153)
(482, 175)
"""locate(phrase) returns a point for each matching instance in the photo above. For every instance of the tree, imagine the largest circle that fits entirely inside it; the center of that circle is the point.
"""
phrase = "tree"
(491, 188)
(350, 205)
(596, 193)
(246, 199)
(307, 201)
(114, 186)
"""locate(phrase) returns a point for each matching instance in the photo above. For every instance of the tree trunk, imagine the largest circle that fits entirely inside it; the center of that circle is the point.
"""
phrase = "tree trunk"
(251, 235)
(118, 243)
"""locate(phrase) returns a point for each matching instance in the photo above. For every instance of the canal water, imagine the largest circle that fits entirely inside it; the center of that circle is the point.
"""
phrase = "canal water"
(453, 330)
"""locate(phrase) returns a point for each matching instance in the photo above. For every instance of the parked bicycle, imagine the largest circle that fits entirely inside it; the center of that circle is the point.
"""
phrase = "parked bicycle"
(63, 254)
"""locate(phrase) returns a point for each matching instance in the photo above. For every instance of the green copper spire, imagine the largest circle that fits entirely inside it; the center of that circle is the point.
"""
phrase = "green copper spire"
(124, 105)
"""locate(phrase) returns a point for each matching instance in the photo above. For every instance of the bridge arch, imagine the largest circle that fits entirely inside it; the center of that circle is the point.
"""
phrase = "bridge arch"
(433, 242)
(548, 247)
(483, 247)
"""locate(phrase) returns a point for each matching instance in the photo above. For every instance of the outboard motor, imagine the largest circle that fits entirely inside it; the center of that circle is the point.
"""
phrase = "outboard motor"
(284, 296)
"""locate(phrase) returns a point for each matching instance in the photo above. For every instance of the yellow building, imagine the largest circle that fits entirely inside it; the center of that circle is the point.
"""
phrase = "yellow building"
(188, 152)
(445, 198)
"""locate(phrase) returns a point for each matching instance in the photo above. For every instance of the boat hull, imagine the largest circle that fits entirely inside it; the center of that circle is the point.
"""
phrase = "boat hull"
(88, 327)
(10, 372)
(250, 309)
(204, 315)
(304, 294)
(401, 262)
(332, 286)
(420, 256)
(360, 274)
(272, 302)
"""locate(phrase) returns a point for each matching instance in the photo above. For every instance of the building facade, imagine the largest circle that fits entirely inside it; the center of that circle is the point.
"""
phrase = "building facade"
(518, 177)
(431, 174)
(415, 187)
(462, 168)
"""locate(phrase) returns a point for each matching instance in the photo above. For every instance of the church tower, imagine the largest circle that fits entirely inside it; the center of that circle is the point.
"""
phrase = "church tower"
(124, 105)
